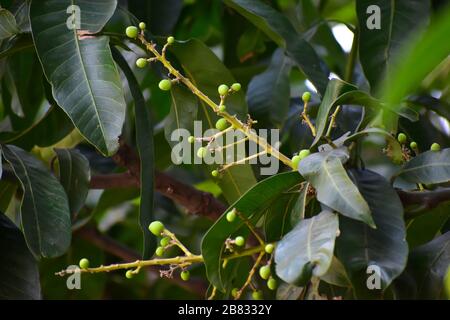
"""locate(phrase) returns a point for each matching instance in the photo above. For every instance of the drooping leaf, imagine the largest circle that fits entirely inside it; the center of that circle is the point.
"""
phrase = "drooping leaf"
(428, 167)
(45, 213)
(277, 217)
(308, 249)
(298, 211)
(424, 275)
(8, 25)
(379, 45)
(145, 146)
(74, 175)
(359, 246)
(326, 173)
(19, 272)
(268, 93)
(251, 206)
(336, 274)
(277, 27)
(80, 68)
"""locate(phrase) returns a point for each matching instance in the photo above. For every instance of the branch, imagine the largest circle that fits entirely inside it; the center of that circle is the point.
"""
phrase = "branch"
(428, 199)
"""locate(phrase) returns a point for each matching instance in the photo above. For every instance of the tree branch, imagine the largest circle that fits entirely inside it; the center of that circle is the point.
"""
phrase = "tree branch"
(427, 199)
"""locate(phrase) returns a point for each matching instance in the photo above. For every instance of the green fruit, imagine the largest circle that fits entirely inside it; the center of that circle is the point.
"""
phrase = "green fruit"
(215, 173)
(413, 145)
(234, 292)
(231, 216)
(257, 295)
(269, 248)
(304, 153)
(131, 32)
(191, 139)
(84, 263)
(296, 161)
(222, 124)
(129, 274)
(236, 86)
(402, 138)
(201, 152)
(306, 96)
(141, 63)
(156, 227)
(170, 40)
(165, 84)
(185, 275)
(222, 108)
(164, 241)
(435, 147)
(272, 284)
(264, 272)
(142, 25)
(159, 251)
(239, 241)
(223, 89)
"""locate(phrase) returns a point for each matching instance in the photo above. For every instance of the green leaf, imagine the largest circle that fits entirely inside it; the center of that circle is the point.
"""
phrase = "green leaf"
(335, 89)
(19, 272)
(45, 213)
(268, 93)
(325, 172)
(74, 175)
(429, 167)
(7, 191)
(298, 211)
(309, 245)
(251, 206)
(145, 146)
(202, 66)
(85, 81)
(277, 217)
(425, 272)
(336, 274)
(183, 112)
(8, 25)
(359, 246)
(278, 28)
(378, 48)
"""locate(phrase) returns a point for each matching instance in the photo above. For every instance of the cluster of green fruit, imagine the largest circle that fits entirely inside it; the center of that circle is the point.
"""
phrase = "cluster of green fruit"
(265, 273)
(299, 157)
(403, 139)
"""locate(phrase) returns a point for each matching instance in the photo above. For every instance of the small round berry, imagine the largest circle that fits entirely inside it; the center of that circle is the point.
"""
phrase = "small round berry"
(295, 161)
(269, 248)
(131, 32)
(201, 152)
(272, 283)
(264, 272)
(236, 86)
(142, 25)
(234, 292)
(156, 227)
(435, 147)
(215, 173)
(402, 138)
(223, 89)
(141, 63)
(170, 40)
(413, 145)
(222, 108)
(257, 295)
(165, 84)
(239, 241)
(231, 216)
(164, 241)
(304, 153)
(191, 139)
(185, 275)
(129, 274)
(84, 263)
(306, 96)
(222, 124)
(159, 251)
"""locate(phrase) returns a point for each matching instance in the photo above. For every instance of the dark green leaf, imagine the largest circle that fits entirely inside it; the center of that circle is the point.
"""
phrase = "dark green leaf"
(277, 217)
(428, 167)
(298, 211)
(45, 210)
(84, 78)
(8, 25)
(359, 246)
(19, 272)
(74, 175)
(310, 243)
(251, 206)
